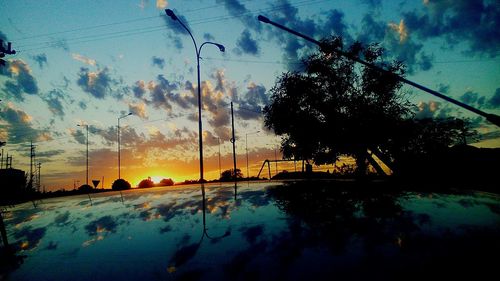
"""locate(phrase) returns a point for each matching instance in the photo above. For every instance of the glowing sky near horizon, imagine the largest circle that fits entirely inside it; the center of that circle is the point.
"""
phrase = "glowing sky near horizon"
(94, 61)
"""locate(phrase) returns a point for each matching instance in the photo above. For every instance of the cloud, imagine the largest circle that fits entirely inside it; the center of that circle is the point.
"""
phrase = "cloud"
(475, 23)
(156, 61)
(400, 29)
(494, 101)
(53, 100)
(98, 83)
(427, 109)
(41, 59)
(161, 4)
(138, 109)
(78, 135)
(139, 89)
(250, 106)
(83, 59)
(19, 126)
(82, 105)
(22, 81)
(208, 37)
(160, 91)
(247, 44)
(176, 30)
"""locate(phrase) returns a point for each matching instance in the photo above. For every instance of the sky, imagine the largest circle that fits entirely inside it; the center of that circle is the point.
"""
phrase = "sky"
(91, 62)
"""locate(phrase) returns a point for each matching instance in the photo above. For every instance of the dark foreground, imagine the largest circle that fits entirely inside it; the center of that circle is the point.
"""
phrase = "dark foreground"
(297, 230)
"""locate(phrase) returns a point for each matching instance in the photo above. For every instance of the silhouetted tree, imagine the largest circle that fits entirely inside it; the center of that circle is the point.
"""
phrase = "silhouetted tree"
(120, 184)
(145, 183)
(229, 175)
(337, 107)
(166, 182)
(85, 188)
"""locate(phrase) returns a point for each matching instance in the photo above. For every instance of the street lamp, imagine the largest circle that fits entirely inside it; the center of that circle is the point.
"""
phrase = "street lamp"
(246, 148)
(119, 141)
(171, 14)
(87, 127)
(220, 172)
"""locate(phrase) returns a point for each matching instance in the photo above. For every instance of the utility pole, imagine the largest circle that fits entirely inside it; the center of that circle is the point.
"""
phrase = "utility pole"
(32, 160)
(39, 182)
(233, 141)
(1, 161)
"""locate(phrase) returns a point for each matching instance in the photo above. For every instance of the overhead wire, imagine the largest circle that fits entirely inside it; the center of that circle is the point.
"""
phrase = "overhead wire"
(124, 33)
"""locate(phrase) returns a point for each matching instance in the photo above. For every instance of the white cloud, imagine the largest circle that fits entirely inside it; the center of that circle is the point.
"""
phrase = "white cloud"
(84, 59)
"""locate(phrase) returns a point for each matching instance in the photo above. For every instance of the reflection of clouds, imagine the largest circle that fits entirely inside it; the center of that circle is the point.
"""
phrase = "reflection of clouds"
(103, 224)
(62, 219)
(252, 233)
(257, 198)
(29, 238)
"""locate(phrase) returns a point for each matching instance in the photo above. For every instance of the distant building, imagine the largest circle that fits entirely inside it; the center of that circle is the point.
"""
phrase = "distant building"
(12, 185)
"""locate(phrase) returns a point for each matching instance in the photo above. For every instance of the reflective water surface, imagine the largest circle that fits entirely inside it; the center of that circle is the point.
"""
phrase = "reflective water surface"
(258, 231)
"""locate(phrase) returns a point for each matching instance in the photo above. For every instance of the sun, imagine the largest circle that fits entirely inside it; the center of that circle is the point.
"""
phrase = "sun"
(157, 179)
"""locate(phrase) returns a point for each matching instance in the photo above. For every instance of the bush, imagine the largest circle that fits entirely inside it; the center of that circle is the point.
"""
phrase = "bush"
(120, 184)
(85, 188)
(146, 183)
(166, 182)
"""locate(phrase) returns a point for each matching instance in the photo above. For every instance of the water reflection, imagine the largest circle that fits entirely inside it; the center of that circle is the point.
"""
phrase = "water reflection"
(259, 231)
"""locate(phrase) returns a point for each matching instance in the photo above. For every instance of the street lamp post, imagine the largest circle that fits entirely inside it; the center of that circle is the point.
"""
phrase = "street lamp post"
(86, 127)
(220, 172)
(119, 141)
(171, 14)
(246, 149)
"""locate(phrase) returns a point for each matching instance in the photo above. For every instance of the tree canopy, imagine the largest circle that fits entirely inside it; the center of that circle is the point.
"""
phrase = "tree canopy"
(335, 107)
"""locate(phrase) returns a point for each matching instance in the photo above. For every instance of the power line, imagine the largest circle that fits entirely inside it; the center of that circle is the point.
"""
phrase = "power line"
(123, 33)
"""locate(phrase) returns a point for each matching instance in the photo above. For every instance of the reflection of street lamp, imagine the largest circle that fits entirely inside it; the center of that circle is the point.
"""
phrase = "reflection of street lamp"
(119, 142)
(246, 148)
(87, 127)
(171, 14)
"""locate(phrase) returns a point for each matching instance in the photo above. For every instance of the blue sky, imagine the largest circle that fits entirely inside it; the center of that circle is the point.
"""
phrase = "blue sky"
(91, 62)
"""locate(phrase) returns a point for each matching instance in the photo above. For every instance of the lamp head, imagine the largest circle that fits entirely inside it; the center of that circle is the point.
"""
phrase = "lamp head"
(171, 14)
(263, 19)
(221, 47)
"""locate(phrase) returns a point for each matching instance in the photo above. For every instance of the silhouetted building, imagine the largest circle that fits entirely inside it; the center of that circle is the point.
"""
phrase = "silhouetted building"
(12, 185)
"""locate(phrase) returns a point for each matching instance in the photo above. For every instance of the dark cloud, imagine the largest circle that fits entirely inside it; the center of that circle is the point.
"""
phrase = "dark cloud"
(157, 61)
(476, 23)
(19, 127)
(82, 105)
(373, 3)
(160, 91)
(494, 101)
(79, 136)
(247, 44)
(139, 89)
(442, 88)
(176, 30)
(98, 83)
(209, 37)
(22, 81)
(41, 59)
(250, 106)
(3, 37)
(469, 97)
(53, 100)
(236, 9)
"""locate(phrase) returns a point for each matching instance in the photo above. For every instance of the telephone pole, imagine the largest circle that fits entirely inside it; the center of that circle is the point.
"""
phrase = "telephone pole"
(233, 141)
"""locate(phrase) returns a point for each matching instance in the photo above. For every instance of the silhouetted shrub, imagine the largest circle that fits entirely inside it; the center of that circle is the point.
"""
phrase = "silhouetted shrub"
(85, 188)
(166, 182)
(146, 183)
(229, 175)
(120, 184)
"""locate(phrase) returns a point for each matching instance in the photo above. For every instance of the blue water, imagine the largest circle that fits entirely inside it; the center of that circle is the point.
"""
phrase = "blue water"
(257, 231)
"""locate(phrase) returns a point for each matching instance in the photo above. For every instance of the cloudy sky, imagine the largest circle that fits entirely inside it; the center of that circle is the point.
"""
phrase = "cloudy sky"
(93, 61)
